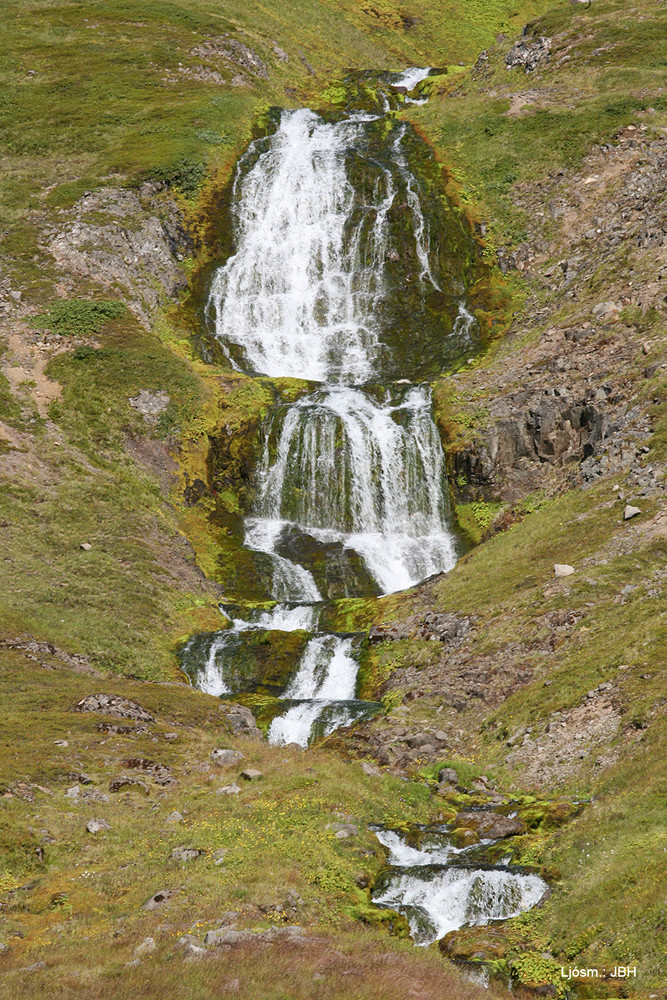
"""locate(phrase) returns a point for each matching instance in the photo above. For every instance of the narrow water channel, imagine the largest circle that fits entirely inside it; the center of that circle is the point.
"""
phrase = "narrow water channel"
(340, 276)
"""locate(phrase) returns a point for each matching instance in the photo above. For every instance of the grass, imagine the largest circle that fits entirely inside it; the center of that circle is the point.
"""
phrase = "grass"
(86, 892)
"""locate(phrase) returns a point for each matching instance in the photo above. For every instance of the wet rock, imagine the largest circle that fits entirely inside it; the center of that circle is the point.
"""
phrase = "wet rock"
(158, 900)
(147, 946)
(232, 789)
(490, 825)
(463, 837)
(630, 511)
(183, 853)
(97, 825)
(113, 704)
(226, 758)
(562, 569)
(251, 774)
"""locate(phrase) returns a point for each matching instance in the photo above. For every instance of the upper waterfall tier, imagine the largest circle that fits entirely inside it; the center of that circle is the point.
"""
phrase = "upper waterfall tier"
(337, 276)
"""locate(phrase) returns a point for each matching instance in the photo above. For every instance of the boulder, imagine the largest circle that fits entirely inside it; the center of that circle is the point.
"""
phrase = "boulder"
(224, 757)
(562, 569)
(227, 936)
(490, 825)
(146, 947)
(630, 511)
(183, 853)
(158, 900)
(448, 774)
(251, 774)
(97, 825)
(113, 704)
(232, 789)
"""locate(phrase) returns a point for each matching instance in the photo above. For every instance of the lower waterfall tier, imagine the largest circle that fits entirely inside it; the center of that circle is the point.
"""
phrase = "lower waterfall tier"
(357, 472)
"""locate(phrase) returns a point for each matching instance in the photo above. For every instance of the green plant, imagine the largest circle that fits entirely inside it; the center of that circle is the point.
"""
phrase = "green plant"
(79, 317)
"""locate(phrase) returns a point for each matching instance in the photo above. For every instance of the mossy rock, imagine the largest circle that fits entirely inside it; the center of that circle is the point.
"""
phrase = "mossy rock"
(470, 944)
(339, 572)
(258, 662)
(464, 838)
(549, 815)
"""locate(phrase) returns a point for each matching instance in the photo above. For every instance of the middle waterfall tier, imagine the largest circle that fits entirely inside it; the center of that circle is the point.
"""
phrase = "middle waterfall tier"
(359, 474)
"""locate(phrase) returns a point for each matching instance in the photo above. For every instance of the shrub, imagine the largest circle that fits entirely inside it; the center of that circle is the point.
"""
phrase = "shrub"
(79, 317)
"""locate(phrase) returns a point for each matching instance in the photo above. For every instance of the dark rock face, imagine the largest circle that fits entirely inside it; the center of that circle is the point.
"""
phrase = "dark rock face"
(337, 571)
(113, 704)
(441, 626)
(545, 426)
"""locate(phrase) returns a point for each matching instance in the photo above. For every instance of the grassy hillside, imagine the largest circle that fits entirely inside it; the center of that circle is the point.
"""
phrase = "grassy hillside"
(121, 122)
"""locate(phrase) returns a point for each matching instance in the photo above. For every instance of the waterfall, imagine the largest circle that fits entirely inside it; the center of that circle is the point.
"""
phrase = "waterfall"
(300, 294)
(440, 887)
(333, 253)
(370, 475)
(327, 673)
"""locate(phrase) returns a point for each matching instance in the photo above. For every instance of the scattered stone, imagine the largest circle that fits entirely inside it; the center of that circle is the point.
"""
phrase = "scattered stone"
(60, 743)
(224, 757)
(124, 781)
(490, 824)
(183, 853)
(151, 405)
(280, 53)
(448, 774)
(158, 900)
(241, 720)
(160, 773)
(630, 511)
(228, 935)
(3, 948)
(94, 795)
(606, 311)
(370, 769)
(174, 817)
(219, 855)
(562, 569)
(233, 986)
(86, 546)
(171, 736)
(73, 792)
(232, 789)
(344, 830)
(146, 947)
(528, 54)
(97, 825)
(251, 774)
(113, 704)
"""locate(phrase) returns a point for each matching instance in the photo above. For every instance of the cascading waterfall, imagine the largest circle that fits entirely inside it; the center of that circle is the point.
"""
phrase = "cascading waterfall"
(352, 470)
(440, 887)
(366, 474)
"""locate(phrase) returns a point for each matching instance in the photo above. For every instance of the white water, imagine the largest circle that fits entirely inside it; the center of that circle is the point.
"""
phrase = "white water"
(346, 470)
(402, 855)
(411, 77)
(327, 673)
(299, 298)
(457, 896)
(300, 293)
(450, 897)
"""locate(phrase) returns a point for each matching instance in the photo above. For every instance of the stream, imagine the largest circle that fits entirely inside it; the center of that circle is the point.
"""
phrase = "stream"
(339, 277)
